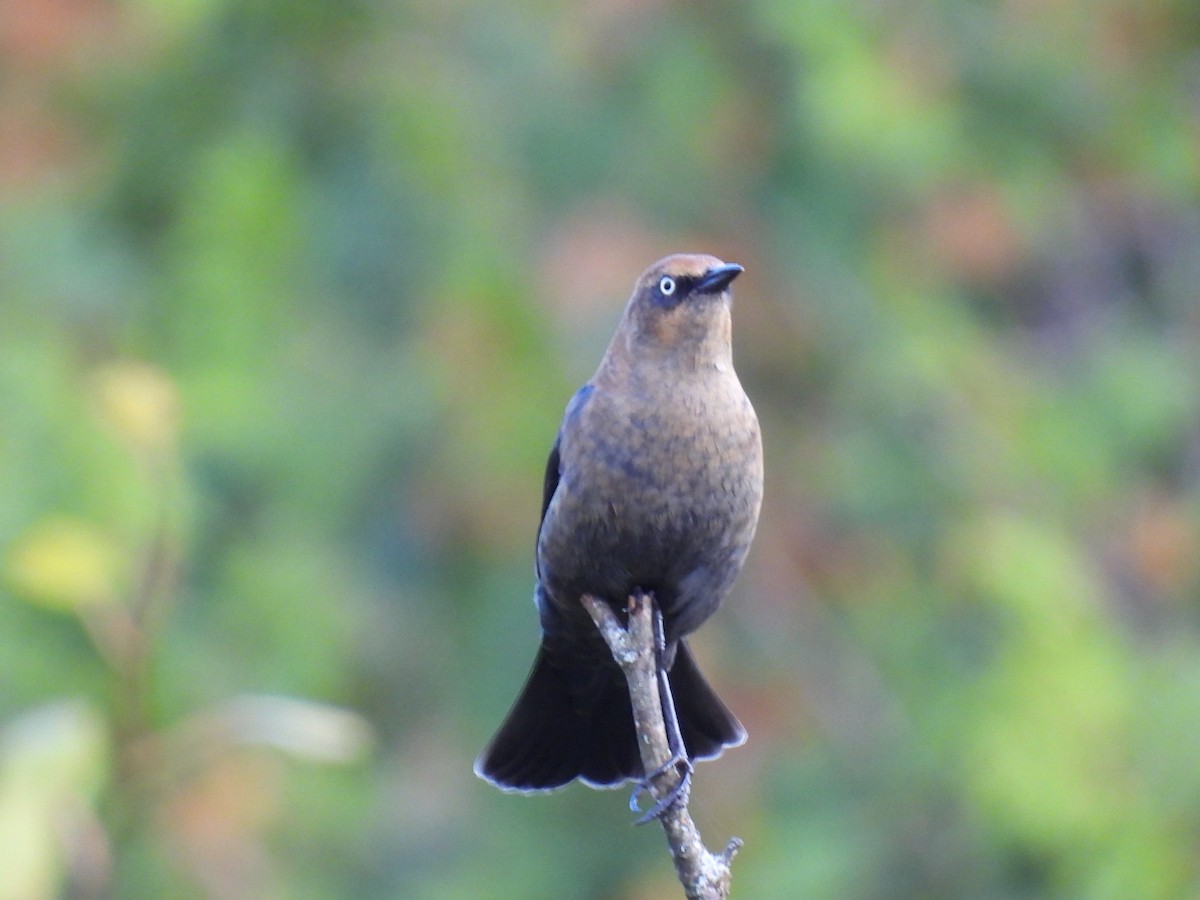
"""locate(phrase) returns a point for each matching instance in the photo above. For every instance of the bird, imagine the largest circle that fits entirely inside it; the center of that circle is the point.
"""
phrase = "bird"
(653, 485)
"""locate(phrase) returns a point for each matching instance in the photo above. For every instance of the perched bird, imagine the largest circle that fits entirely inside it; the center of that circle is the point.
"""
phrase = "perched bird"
(654, 484)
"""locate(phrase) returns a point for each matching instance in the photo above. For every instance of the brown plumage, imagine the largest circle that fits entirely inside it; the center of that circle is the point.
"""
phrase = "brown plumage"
(654, 483)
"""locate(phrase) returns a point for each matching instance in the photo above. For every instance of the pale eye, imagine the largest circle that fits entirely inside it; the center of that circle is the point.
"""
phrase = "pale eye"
(666, 286)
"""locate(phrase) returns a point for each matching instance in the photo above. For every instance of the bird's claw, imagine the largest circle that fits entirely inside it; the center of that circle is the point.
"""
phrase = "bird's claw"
(678, 795)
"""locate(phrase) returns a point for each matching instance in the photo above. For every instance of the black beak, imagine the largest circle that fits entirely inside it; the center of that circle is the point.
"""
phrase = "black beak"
(717, 279)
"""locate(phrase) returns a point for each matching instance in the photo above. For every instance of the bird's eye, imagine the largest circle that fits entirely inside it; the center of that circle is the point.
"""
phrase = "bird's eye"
(666, 286)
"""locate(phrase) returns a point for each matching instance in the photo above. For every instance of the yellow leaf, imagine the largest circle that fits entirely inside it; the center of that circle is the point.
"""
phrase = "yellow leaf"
(64, 563)
(140, 402)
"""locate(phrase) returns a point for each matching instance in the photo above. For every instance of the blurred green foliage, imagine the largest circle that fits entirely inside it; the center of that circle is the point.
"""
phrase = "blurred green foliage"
(292, 295)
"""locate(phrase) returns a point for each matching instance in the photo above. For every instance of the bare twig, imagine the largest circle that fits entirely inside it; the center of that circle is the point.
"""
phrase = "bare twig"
(704, 875)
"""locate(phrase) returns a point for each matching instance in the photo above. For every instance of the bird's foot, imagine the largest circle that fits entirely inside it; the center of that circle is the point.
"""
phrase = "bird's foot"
(677, 795)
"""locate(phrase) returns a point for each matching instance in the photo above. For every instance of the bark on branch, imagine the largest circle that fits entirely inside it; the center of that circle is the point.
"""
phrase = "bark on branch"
(704, 875)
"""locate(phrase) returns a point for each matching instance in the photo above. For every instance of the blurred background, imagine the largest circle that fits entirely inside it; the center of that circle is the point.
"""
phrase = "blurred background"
(293, 293)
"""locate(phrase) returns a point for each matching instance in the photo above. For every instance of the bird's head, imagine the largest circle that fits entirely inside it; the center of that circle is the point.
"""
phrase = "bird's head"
(682, 303)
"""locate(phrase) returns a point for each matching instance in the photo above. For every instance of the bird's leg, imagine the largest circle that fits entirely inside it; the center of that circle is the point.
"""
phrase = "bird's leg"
(670, 718)
(679, 759)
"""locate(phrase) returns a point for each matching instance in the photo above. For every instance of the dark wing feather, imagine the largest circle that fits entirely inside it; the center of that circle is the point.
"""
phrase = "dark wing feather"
(554, 463)
(550, 482)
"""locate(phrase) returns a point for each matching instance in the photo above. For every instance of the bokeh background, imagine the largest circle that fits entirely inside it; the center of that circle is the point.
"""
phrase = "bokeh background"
(292, 294)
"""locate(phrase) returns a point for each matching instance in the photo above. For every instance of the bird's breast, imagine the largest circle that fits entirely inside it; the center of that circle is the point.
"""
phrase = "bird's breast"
(651, 490)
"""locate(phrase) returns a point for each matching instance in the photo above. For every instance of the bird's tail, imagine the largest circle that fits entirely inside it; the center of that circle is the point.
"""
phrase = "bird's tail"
(570, 723)
(707, 725)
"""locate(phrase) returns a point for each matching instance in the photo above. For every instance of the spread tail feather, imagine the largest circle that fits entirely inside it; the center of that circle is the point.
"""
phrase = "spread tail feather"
(707, 725)
(559, 730)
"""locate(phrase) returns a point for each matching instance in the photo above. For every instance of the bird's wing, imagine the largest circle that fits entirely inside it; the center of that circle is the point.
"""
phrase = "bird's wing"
(550, 483)
(554, 463)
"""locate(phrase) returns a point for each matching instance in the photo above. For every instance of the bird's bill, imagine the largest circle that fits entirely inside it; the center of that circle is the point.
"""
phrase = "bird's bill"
(718, 278)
